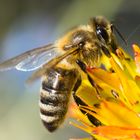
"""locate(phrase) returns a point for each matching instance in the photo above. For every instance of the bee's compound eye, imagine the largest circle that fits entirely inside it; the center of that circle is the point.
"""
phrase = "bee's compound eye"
(102, 34)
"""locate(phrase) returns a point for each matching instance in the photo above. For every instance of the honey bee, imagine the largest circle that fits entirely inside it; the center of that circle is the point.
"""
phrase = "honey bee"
(57, 65)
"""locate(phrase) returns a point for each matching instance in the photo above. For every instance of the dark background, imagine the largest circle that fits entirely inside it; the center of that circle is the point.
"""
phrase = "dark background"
(27, 24)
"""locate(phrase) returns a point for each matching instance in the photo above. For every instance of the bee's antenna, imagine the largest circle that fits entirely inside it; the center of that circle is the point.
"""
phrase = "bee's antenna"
(133, 32)
(118, 32)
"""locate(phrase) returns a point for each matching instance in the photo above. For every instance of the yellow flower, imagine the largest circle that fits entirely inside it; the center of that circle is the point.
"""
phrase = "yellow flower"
(113, 97)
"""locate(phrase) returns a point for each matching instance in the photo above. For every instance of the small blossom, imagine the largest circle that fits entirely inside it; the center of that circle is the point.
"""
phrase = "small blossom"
(112, 96)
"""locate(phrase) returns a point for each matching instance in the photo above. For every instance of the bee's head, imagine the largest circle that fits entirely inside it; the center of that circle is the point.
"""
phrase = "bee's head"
(90, 40)
(104, 32)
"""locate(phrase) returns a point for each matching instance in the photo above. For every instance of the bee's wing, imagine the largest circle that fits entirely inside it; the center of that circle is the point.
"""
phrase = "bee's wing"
(37, 74)
(31, 60)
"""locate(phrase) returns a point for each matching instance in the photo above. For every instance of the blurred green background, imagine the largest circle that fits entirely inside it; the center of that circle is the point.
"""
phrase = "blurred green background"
(27, 24)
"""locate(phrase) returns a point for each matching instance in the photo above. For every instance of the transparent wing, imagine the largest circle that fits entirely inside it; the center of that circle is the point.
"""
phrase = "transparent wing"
(31, 60)
(37, 74)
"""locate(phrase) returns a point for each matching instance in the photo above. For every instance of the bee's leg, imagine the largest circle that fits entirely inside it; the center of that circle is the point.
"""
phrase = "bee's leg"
(83, 68)
(78, 101)
(106, 51)
(81, 65)
(97, 87)
(77, 84)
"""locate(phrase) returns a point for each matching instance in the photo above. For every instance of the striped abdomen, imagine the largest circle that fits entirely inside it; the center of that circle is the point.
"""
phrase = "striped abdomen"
(56, 88)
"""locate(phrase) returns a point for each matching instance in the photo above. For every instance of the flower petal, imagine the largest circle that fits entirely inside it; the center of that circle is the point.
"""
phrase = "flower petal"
(114, 111)
(137, 56)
